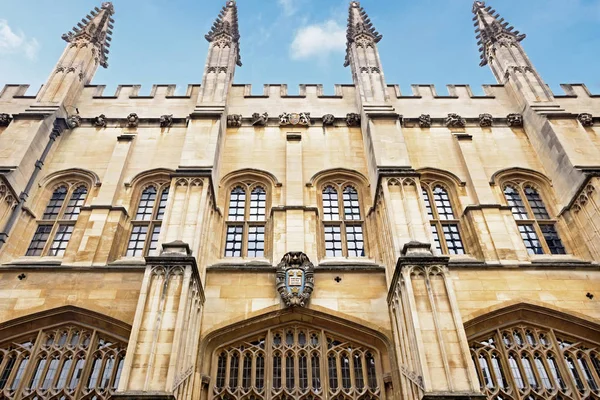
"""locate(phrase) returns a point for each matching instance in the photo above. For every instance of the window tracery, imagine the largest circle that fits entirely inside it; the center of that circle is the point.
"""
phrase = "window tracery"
(246, 221)
(445, 226)
(58, 220)
(297, 362)
(536, 226)
(64, 363)
(147, 221)
(526, 362)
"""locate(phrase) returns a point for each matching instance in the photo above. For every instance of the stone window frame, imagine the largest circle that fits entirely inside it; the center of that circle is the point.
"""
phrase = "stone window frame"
(248, 185)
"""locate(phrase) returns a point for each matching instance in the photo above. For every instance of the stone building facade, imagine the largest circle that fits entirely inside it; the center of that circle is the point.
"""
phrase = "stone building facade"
(370, 244)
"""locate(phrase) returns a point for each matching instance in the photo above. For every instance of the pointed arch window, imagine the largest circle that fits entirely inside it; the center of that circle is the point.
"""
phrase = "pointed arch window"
(147, 221)
(445, 226)
(537, 228)
(547, 365)
(246, 222)
(64, 362)
(342, 221)
(54, 231)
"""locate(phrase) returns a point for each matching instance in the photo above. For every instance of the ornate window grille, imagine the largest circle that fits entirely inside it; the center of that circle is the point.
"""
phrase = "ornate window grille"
(296, 362)
(246, 221)
(146, 223)
(342, 221)
(69, 362)
(525, 362)
(537, 228)
(54, 230)
(445, 227)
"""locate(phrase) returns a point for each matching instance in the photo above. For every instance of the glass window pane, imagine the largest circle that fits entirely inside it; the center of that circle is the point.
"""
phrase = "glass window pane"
(61, 240)
(289, 371)
(331, 209)
(75, 203)
(333, 376)
(153, 246)
(146, 204)
(55, 203)
(553, 239)
(233, 243)
(277, 371)
(536, 203)
(137, 240)
(453, 239)
(333, 241)
(234, 370)
(221, 370)
(436, 238)
(41, 236)
(427, 201)
(530, 238)
(354, 240)
(442, 203)
(237, 204)
(513, 198)
(258, 204)
(351, 204)
(256, 241)
(345, 368)
(371, 372)
(162, 204)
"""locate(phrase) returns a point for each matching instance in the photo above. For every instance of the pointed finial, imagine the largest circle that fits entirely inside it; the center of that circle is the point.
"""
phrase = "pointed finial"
(226, 27)
(96, 29)
(491, 28)
(359, 24)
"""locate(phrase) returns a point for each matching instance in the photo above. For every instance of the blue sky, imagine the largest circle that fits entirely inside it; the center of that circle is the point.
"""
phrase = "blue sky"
(301, 41)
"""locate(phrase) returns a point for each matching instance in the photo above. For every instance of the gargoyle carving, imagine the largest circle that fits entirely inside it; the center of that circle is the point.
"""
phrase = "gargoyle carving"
(514, 120)
(74, 121)
(166, 120)
(455, 121)
(295, 119)
(5, 119)
(425, 121)
(485, 120)
(586, 119)
(234, 121)
(328, 119)
(100, 121)
(353, 119)
(260, 119)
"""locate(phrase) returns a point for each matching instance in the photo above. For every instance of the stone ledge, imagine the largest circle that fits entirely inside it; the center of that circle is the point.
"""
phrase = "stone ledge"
(143, 396)
(453, 396)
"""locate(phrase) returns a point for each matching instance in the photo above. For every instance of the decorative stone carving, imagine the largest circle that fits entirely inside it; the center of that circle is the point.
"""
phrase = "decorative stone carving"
(328, 119)
(5, 119)
(295, 119)
(74, 121)
(260, 119)
(455, 121)
(234, 120)
(485, 120)
(100, 121)
(295, 279)
(586, 119)
(133, 120)
(353, 119)
(166, 120)
(425, 121)
(514, 120)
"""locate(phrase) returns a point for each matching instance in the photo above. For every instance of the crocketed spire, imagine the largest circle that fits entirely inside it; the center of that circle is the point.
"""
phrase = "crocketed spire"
(359, 24)
(96, 29)
(226, 26)
(491, 28)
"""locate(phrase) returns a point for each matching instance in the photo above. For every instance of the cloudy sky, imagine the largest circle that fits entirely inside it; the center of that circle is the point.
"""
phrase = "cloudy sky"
(302, 41)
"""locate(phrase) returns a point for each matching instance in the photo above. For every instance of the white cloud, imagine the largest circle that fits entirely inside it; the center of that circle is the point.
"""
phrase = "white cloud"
(289, 7)
(12, 42)
(318, 40)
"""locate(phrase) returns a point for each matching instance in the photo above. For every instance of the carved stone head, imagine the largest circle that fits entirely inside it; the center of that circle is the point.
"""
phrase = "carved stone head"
(166, 120)
(100, 121)
(514, 120)
(234, 120)
(586, 119)
(74, 121)
(260, 119)
(485, 120)
(353, 119)
(133, 120)
(5, 119)
(328, 119)
(425, 121)
(455, 121)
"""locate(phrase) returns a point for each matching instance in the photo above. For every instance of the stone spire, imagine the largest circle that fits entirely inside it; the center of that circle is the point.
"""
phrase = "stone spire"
(223, 56)
(362, 56)
(501, 49)
(88, 44)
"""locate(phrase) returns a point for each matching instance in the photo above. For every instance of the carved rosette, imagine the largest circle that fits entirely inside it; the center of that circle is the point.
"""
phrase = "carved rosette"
(295, 119)
(586, 119)
(425, 121)
(486, 120)
(295, 279)
(328, 119)
(74, 121)
(99, 121)
(5, 119)
(234, 121)
(514, 120)
(260, 119)
(353, 119)
(455, 121)
(133, 120)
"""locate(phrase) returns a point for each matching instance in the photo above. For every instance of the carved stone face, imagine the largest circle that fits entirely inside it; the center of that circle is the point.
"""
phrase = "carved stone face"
(74, 121)
(328, 119)
(4, 119)
(258, 119)
(514, 120)
(234, 120)
(586, 119)
(166, 120)
(353, 119)
(425, 121)
(455, 121)
(100, 121)
(485, 120)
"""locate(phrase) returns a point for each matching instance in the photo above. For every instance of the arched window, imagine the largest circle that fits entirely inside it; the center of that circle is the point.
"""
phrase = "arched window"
(246, 218)
(342, 221)
(296, 361)
(58, 221)
(523, 362)
(146, 223)
(65, 362)
(445, 226)
(533, 219)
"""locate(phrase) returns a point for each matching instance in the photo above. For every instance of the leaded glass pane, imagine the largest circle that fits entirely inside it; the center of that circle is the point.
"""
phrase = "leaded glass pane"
(237, 204)
(351, 204)
(75, 203)
(162, 204)
(333, 241)
(331, 208)
(355, 241)
(530, 239)
(258, 204)
(55, 203)
(152, 247)
(514, 200)
(256, 241)
(233, 242)
(453, 239)
(41, 236)
(61, 240)
(427, 201)
(137, 240)
(442, 203)
(146, 204)
(553, 239)
(536, 203)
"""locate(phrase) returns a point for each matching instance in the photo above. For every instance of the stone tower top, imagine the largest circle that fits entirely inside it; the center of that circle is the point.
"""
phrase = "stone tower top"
(226, 27)
(95, 28)
(359, 24)
(491, 28)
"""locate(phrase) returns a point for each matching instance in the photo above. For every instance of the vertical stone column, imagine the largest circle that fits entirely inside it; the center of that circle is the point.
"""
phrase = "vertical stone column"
(163, 347)
(294, 195)
(431, 344)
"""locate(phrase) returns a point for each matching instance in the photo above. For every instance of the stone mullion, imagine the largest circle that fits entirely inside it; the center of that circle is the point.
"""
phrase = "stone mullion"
(399, 345)
(159, 301)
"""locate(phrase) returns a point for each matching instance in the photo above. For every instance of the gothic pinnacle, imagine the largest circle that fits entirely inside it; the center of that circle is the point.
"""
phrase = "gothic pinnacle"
(359, 24)
(96, 29)
(491, 28)
(226, 26)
